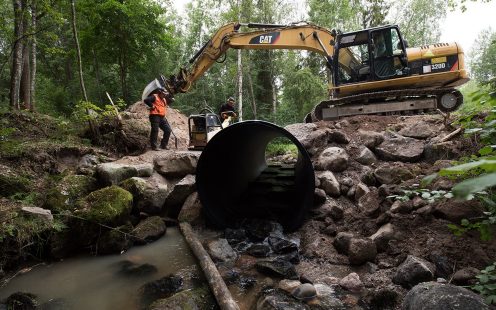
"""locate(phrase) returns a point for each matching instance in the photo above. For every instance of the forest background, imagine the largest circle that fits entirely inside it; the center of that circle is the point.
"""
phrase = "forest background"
(124, 44)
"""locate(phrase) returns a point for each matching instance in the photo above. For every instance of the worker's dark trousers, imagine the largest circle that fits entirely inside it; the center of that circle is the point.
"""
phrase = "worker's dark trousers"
(157, 121)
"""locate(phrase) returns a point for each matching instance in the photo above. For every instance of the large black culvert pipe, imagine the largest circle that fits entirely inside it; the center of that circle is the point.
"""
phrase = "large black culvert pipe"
(231, 163)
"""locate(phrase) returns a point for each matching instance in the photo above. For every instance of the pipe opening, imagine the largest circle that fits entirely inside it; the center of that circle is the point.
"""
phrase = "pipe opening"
(239, 176)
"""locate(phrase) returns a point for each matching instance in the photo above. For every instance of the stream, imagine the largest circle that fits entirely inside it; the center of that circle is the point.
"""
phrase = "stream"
(96, 283)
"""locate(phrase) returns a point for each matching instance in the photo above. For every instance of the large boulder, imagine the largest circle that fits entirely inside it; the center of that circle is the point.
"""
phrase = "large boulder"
(338, 137)
(370, 139)
(436, 296)
(161, 288)
(65, 194)
(149, 193)
(109, 206)
(366, 156)
(277, 267)
(178, 195)
(315, 139)
(301, 130)
(419, 130)
(329, 183)
(392, 173)
(382, 236)
(442, 150)
(455, 211)
(413, 271)
(221, 251)
(191, 210)
(114, 173)
(352, 283)
(115, 241)
(333, 159)
(342, 242)
(176, 164)
(11, 183)
(361, 250)
(399, 148)
(148, 230)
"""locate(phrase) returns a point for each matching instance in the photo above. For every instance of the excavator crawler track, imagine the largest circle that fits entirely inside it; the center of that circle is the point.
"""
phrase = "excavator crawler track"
(412, 101)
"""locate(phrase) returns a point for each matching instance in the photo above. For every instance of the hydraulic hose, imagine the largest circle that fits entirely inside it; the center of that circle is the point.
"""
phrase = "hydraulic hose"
(230, 164)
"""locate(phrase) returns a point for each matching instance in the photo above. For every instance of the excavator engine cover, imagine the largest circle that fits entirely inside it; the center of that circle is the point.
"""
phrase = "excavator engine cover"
(234, 180)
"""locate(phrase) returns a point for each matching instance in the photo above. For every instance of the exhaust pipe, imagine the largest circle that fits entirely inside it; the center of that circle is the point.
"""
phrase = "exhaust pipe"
(234, 181)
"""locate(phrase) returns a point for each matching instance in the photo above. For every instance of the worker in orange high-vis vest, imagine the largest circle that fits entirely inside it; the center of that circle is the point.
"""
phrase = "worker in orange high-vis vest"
(157, 104)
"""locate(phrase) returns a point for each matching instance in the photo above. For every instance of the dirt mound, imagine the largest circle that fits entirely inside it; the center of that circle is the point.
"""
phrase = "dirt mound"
(136, 122)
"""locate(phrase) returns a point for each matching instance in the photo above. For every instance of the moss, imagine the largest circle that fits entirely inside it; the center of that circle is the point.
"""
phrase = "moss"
(109, 206)
(134, 185)
(199, 298)
(65, 194)
(11, 184)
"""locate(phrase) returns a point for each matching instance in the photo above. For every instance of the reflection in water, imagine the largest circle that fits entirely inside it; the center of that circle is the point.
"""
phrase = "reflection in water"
(95, 282)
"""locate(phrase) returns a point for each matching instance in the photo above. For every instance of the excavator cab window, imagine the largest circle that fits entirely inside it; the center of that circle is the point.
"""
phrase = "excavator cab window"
(353, 58)
(388, 53)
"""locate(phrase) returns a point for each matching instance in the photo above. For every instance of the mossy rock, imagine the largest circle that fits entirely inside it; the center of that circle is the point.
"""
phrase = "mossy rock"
(109, 206)
(11, 183)
(116, 240)
(196, 299)
(64, 195)
(134, 185)
(149, 230)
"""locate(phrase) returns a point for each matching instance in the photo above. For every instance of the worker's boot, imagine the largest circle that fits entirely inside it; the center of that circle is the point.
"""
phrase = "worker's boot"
(163, 146)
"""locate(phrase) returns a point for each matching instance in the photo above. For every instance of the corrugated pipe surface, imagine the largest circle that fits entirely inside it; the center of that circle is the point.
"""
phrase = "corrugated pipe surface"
(235, 182)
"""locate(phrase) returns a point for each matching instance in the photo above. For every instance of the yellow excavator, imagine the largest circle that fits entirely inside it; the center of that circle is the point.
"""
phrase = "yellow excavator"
(372, 71)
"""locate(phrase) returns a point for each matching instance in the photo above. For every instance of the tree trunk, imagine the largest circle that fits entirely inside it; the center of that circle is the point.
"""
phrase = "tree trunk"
(15, 75)
(25, 89)
(78, 50)
(32, 107)
(252, 94)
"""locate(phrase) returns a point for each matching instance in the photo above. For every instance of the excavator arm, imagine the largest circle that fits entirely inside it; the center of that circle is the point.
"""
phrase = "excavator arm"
(301, 36)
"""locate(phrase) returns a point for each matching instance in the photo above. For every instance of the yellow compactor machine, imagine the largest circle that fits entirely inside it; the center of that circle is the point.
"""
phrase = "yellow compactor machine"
(373, 71)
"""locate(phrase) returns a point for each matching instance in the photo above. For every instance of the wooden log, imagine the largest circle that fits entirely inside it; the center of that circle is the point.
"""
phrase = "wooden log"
(451, 135)
(215, 281)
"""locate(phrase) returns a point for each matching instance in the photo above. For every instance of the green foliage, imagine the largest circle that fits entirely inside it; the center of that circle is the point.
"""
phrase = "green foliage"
(483, 58)
(486, 284)
(86, 111)
(281, 147)
(425, 194)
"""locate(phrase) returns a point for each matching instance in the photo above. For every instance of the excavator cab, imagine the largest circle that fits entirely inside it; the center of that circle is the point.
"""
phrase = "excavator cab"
(202, 127)
(370, 55)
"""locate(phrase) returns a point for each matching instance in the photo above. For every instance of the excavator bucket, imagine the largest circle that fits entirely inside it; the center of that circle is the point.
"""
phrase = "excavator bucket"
(153, 85)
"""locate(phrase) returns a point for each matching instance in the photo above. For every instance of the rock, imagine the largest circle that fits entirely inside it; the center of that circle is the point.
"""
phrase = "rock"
(383, 298)
(195, 299)
(330, 230)
(282, 245)
(366, 156)
(149, 194)
(427, 296)
(178, 194)
(87, 162)
(332, 158)
(382, 236)
(424, 211)
(419, 130)
(444, 267)
(399, 148)
(342, 242)
(257, 230)
(65, 194)
(115, 241)
(352, 283)
(21, 300)
(176, 164)
(442, 151)
(305, 291)
(162, 288)
(108, 206)
(329, 183)
(466, 276)
(367, 177)
(277, 267)
(361, 251)
(130, 269)
(277, 299)
(371, 139)
(114, 173)
(44, 214)
(338, 137)
(301, 130)
(258, 250)
(191, 210)
(360, 190)
(455, 211)
(11, 183)
(370, 203)
(336, 212)
(413, 271)
(316, 139)
(221, 251)
(149, 230)
(392, 174)
(403, 207)
(288, 285)
(319, 197)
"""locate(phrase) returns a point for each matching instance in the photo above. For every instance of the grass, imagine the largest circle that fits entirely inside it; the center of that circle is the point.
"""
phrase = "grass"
(281, 146)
